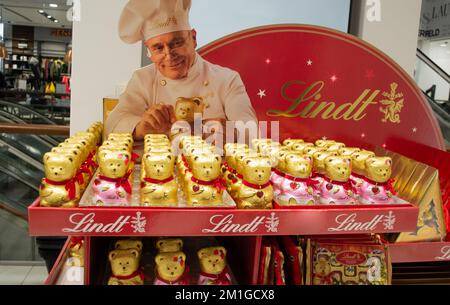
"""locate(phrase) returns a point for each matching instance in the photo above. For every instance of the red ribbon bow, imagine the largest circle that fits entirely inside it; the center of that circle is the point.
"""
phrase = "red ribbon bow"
(120, 182)
(76, 241)
(69, 186)
(157, 181)
(218, 279)
(218, 183)
(309, 181)
(256, 186)
(134, 156)
(278, 172)
(85, 169)
(90, 161)
(387, 185)
(348, 186)
(127, 277)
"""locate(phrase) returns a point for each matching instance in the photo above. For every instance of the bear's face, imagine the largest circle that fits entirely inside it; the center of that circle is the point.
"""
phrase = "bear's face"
(311, 150)
(379, 169)
(186, 107)
(338, 168)
(290, 142)
(124, 262)
(241, 155)
(169, 245)
(319, 160)
(348, 151)
(70, 151)
(113, 164)
(298, 165)
(170, 265)
(232, 146)
(256, 170)
(300, 147)
(125, 244)
(121, 143)
(189, 139)
(230, 155)
(324, 143)
(335, 146)
(257, 142)
(212, 260)
(206, 167)
(120, 139)
(275, 153)
(359, 160)
(60, 167)
(159, 165)
(265, 148)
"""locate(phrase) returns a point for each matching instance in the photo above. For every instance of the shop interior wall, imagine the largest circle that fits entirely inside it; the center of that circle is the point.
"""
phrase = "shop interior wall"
(391, 26)
(102, 64)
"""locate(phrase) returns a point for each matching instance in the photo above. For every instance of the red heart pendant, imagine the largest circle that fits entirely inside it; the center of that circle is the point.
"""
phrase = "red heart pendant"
(329, 186)
(260, 194)
(375, 190)
(196, 188)
(294, 185)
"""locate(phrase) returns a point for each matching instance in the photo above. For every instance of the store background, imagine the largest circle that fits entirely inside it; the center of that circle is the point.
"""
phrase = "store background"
(102, 64)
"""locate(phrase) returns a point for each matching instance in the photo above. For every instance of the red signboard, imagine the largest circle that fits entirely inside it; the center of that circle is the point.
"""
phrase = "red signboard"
(420, 252)
(319, 82)
(144, 221)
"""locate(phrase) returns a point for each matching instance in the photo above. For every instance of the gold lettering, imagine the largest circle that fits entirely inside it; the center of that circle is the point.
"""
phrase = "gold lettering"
(357, 116)
(309, 93)
(326, 110)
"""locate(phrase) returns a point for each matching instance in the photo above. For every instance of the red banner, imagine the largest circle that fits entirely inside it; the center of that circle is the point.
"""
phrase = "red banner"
(319, 82)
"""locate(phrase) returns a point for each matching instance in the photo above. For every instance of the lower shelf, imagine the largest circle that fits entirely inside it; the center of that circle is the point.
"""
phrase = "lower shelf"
(63, 273)
(420, 252)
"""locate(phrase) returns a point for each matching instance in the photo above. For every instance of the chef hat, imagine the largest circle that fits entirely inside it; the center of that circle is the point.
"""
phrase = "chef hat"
(145, 19)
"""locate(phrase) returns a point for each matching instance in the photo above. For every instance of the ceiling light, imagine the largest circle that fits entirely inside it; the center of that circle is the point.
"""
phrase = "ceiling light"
(41, 11)
(53, 5)
(444, 44)
(56, 21)
(49, 17)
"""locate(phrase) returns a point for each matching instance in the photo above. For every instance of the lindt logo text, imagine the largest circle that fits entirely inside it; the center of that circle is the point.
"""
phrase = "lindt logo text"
(226, 224)
(349, 222)
(86, 224)
(445, 253)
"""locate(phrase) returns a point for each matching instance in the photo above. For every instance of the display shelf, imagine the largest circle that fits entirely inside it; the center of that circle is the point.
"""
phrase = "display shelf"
(61, 273)
(147, 221)
(420, 252)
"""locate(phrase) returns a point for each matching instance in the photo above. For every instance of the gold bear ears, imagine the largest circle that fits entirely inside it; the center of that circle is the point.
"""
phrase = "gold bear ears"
(206, 252)
(197, 100)
(116, 253)
(118, 243)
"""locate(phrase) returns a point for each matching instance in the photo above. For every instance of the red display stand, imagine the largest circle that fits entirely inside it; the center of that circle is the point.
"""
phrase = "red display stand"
(318, 83)
(154, 222)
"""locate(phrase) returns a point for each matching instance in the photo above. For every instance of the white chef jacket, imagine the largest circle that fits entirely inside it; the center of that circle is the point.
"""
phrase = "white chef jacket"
(220, 87)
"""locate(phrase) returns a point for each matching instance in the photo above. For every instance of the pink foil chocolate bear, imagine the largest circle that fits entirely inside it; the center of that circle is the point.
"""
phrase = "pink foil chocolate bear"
(336, 187)
(298, 187)
(112, 185)
(376, 187)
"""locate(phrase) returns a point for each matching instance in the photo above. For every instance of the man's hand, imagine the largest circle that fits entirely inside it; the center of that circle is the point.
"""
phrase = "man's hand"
(157, 119)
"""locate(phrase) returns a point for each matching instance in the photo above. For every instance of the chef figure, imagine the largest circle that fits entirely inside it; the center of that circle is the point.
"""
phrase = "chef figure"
(147, 105)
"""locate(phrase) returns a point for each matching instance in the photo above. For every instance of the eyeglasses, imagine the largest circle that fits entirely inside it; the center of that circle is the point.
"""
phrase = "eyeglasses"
(158, 49)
